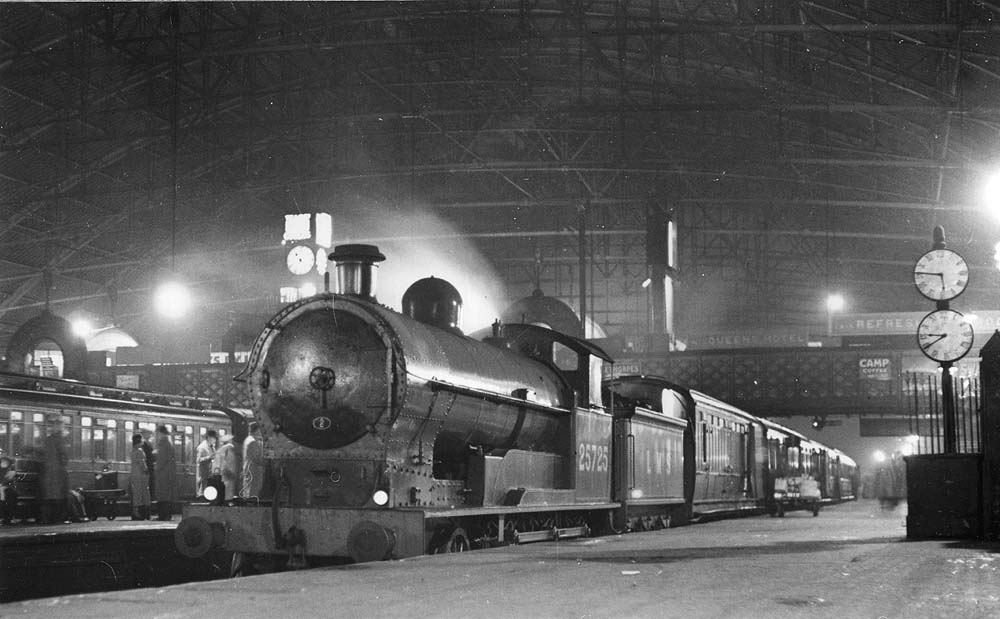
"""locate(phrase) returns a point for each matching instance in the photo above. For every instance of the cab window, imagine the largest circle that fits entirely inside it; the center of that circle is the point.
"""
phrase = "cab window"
(564, 357)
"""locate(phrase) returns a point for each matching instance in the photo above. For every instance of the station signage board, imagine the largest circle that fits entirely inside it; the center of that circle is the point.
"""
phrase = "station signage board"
(875, 368)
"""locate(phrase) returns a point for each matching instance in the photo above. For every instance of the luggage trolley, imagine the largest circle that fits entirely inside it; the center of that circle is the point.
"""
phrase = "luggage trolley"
(793, 493)
(104, 497)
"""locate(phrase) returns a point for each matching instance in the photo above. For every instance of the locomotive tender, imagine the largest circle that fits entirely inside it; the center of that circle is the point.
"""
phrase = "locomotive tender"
(389, 435)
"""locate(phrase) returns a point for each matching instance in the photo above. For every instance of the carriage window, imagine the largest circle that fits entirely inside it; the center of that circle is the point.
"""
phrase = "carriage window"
(564, 358)
(793, 460)
(98, 444)
(17, 434)
(86, 438)
(108, 439)
(35, 430)
(774, 457)
(187, 446)
(72, 431)
(129, 426)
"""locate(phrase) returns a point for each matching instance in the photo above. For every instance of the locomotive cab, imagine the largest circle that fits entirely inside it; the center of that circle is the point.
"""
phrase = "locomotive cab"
(578, 361)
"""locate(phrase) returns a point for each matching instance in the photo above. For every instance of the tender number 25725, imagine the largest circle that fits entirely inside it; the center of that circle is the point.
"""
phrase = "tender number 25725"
(593, 457)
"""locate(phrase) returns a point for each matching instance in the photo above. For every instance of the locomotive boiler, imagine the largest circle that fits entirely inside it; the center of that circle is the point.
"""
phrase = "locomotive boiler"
(391, 435)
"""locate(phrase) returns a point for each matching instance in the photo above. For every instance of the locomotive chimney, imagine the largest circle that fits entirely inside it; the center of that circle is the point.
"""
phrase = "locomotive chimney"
(356, 267)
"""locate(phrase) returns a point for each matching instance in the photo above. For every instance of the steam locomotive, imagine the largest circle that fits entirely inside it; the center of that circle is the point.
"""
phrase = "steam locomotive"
(389, 435)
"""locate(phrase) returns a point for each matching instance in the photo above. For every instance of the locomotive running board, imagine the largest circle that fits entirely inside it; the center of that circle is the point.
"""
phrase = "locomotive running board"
(462, 512)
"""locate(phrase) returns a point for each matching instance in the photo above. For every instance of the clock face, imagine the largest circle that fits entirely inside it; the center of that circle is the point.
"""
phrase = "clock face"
(300, 260)
(941, 274)
(944, 335)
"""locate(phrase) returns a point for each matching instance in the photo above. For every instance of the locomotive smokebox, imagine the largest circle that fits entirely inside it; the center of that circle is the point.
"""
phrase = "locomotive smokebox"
(434, 302)
(356, 267)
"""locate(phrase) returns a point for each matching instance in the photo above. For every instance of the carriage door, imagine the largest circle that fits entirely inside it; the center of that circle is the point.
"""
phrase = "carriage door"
(823, 474)
(749, 491)
(734, 442)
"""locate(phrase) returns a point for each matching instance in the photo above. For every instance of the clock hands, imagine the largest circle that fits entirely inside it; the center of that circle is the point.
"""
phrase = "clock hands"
(940, 336)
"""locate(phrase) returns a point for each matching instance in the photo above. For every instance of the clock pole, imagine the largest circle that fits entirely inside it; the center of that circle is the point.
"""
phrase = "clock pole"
(948, 395)
(947, 386)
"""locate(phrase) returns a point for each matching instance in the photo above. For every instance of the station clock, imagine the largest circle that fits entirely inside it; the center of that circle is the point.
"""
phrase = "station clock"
(941, 274)
(944, 335)
(300, 260)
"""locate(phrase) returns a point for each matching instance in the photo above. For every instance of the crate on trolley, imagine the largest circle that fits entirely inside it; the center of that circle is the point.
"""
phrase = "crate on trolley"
(796, 493)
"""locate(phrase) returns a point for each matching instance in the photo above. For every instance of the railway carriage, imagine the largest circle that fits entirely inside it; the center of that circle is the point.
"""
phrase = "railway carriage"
(98, 425)
(731, 460)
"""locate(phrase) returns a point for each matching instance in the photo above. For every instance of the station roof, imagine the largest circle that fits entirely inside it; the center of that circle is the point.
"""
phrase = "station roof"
(800, 148)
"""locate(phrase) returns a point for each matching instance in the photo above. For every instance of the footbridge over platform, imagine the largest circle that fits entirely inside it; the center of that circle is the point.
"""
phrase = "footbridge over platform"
(782, 382)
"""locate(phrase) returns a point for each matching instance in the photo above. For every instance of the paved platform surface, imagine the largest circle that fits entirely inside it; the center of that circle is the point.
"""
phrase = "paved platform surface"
(851, 561)
(12, 532)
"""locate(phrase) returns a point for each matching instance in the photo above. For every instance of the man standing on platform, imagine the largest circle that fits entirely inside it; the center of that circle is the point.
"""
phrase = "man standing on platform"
(253, 463)
(205, 455)
(225, 466)
(138, 481)
(55, 477)
(150, 459)
(164, 474)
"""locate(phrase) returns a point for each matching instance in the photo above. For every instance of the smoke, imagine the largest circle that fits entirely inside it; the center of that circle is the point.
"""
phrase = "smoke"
(420, 244)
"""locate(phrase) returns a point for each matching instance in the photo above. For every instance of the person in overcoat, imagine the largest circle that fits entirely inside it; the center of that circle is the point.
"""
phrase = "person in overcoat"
(164, 474)
(253, 463)
(225, 465)
(147, 449)
(138, 481)
(205, 454)
(890, 484)
(8, 489)
(55, 476)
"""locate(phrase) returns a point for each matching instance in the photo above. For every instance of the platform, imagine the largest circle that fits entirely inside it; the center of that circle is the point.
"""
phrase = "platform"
(101, 555)
(853, 560)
